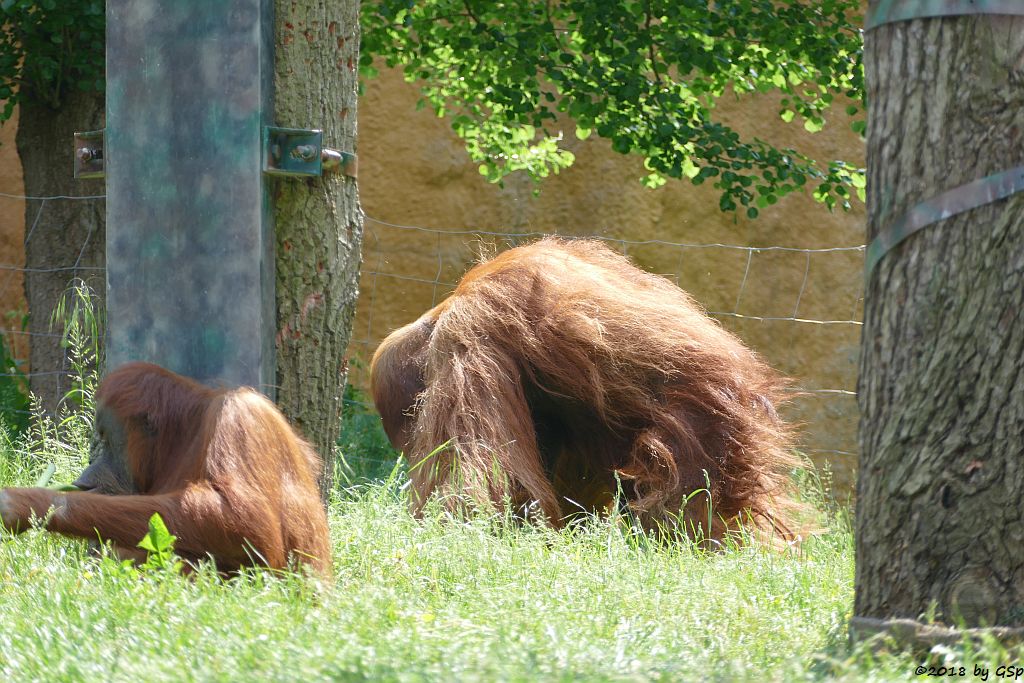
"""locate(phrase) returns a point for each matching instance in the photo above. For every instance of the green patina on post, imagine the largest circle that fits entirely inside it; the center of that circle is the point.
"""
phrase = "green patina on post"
(190, 263)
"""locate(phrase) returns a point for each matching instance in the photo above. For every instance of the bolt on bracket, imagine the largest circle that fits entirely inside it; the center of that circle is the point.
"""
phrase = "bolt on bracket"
(286, 151)
(300, 152)
(89, 154)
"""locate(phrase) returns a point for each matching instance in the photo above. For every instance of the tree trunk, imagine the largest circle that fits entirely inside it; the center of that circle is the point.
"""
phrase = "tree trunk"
(64, 238)
(318, 221)
(940, 522)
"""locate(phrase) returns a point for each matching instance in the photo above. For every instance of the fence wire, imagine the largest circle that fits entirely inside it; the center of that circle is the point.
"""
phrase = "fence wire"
(371, 254)
(17, 337)
(379, 272)
(395, 256)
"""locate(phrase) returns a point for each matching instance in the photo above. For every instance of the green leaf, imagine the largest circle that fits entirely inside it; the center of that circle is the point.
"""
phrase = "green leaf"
(814, 125)
(689, 169)
(44, 478)
(158, 539)
(648, 86)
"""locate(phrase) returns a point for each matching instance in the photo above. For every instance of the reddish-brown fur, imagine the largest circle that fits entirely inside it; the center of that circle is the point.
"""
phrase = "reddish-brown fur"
(229, 476)
(558, 373)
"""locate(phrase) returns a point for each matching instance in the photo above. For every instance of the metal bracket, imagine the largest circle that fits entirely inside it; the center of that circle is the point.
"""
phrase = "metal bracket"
(89, 154)
(286, 151)
(300, 152)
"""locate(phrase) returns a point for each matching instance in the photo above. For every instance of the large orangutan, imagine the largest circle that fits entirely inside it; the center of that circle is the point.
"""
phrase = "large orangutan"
(226, 472)
(558, 376)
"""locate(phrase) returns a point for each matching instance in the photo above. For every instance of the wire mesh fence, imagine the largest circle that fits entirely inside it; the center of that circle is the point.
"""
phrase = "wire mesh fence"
(15, 329)
(799, 307)
(782, 300)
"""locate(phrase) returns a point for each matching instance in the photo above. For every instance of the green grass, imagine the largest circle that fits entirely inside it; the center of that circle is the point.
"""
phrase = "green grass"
(445, 600)
(363, 447)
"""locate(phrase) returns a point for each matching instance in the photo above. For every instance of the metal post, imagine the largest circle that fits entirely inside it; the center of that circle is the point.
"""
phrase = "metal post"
(190, 240)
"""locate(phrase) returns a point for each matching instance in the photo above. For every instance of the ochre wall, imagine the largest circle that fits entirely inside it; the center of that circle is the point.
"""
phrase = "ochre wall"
(414, 172)
(12, 241)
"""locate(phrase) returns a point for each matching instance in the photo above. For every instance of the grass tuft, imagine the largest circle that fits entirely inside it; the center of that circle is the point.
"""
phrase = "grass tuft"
(477, 598)
(448, 599)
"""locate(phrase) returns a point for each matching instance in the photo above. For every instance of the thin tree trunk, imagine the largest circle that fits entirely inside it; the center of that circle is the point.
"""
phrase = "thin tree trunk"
(318, 222)
(940, 521)
(64, 239)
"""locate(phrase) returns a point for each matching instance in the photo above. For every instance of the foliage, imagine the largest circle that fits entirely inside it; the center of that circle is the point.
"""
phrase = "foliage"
(48, 47)
(14, 401)
(58, 444)
(79, 315)
(159, 546)
(643, 73)
(436, 600)
(418, 599)
(364, 451)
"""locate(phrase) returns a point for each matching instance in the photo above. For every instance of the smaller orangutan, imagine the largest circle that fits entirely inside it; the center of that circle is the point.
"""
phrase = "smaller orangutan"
(559, 378)
(228, 475)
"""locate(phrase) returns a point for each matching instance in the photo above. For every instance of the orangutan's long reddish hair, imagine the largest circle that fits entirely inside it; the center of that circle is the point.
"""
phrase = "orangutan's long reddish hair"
(558, 373)
(231, 479)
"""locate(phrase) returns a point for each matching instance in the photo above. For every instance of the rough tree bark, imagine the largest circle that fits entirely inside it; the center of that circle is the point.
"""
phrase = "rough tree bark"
(318, 222)
(940, 521)
(64, 239)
